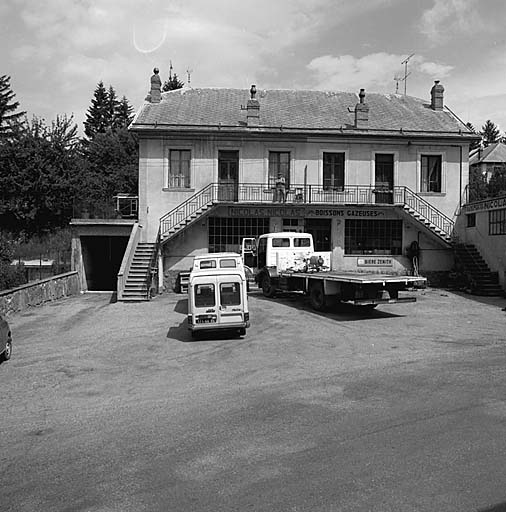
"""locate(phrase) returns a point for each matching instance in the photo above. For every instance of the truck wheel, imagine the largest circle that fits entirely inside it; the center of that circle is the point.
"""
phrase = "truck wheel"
(317, 297)
(268, 288)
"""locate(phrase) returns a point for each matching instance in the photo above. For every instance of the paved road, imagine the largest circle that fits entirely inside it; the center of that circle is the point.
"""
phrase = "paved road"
(111, 407)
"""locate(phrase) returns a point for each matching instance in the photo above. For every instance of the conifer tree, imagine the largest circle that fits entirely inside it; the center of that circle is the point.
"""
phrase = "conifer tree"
(98, 117)
(172, 83)
(490, 133)
(124, 113)
(8, 115)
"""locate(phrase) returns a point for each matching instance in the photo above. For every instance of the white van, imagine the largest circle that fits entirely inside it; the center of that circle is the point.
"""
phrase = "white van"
(217, 294)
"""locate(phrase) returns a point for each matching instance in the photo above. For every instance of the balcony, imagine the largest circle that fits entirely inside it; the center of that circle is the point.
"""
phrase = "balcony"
(304, 194)
(122, 206)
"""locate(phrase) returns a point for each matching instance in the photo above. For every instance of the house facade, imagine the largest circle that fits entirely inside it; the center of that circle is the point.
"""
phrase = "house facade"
(367, 175)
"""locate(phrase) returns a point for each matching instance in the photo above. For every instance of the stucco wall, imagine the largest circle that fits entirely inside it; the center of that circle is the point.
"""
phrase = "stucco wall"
(155, 199)
(39, 292)
(492, 247)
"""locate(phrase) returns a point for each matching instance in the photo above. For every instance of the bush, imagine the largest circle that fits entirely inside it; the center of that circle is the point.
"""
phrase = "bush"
(11, 275)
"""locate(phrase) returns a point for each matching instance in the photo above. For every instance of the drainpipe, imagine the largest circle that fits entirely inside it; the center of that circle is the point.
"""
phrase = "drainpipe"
(460, 184)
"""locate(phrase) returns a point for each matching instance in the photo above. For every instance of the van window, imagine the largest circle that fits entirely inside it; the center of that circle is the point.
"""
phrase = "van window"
(301, 242)
(230, 294)
(227, 263)
(204, 295)
(280, 242)
(204, 264)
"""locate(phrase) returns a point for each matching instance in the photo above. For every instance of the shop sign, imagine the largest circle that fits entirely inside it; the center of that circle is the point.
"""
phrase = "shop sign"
(491, 204)
(274, 211)
(288, 211)
(375, 262)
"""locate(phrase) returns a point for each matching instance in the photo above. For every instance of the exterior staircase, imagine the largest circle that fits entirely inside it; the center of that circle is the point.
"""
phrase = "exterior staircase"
(480, 279)
(137, 281)
(430, 217)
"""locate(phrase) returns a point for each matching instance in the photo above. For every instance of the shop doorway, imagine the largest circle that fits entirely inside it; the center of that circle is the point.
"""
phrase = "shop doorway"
(228, 176)
(321, 229)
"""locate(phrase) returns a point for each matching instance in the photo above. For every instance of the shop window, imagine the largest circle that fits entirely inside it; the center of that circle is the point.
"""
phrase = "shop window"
(471, 220)
(279, 163)
(226, 234)
(497, 222)
(431, 173)
(294, 225)
(333, 171)
(365, 236)
(179, 168)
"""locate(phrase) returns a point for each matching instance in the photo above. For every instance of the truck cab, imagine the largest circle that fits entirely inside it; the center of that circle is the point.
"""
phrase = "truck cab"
(217, 294)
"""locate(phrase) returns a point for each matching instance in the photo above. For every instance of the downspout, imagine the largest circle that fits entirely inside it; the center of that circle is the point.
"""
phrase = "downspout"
(460, 184)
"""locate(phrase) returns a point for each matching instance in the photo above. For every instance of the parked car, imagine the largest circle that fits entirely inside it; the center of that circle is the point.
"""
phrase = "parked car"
(5, 340)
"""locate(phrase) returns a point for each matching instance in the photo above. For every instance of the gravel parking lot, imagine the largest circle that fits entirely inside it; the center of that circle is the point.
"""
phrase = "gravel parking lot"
(112, 406)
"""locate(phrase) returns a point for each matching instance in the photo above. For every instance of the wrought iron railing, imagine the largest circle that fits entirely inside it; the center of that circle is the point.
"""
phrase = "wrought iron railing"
(262, 193)
(405, 196)
(152, 272)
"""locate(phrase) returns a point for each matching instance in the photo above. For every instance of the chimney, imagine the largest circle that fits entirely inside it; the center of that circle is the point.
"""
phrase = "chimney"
(253, 109)
(155, 94)
(362, 112)
(436, 96)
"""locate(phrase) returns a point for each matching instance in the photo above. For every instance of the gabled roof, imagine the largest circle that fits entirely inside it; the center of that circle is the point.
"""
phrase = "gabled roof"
(494, 153)
(296, 110)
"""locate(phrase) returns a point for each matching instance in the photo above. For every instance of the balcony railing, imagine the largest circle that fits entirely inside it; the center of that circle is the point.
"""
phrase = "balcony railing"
(122, 206)
(261, 193)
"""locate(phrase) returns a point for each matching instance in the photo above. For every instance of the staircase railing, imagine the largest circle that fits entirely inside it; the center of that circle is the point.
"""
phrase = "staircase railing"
(178, 215)
(404, 195)
(133, 240)
(152, 272)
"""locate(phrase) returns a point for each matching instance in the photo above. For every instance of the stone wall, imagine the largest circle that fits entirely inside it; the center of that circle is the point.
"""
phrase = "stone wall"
(39, 292)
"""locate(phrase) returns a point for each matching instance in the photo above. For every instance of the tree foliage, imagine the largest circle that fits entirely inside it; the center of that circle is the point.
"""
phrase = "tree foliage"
(9, 118)
(474, 144)
(37, 166)
(106, 112)
(172, 83)
(490, 133)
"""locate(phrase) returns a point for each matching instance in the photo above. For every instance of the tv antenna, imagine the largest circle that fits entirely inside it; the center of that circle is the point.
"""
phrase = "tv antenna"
(406, 74)
(170, 70)
(188, 74)
(397, 80)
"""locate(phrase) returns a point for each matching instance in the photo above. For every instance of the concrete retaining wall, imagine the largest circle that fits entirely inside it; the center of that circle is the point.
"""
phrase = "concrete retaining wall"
(39, 292)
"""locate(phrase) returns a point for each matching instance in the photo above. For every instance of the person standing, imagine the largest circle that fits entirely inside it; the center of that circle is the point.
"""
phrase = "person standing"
(280, 190)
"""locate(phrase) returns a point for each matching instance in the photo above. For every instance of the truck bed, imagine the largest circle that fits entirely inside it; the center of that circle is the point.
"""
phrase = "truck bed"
(357, 277)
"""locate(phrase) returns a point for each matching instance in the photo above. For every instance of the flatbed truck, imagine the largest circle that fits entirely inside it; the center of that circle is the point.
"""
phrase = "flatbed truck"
(287, 262)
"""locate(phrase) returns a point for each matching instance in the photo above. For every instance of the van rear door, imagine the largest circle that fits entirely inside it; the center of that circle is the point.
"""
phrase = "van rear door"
(205, 303)
(230, 296)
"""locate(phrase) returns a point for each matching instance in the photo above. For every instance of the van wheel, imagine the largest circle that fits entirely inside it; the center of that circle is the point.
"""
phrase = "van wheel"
(317, 297)
(268, 288)
(242, 331)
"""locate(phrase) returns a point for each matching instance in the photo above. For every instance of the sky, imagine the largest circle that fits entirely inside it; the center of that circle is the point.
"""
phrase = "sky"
(56, 51)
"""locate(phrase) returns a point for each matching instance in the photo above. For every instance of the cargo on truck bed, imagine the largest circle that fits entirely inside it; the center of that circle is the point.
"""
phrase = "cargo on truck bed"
(287, 262)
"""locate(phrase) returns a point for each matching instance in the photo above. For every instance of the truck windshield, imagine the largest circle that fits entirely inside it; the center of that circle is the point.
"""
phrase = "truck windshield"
(301, 242)
(230, 294)
(204, 295)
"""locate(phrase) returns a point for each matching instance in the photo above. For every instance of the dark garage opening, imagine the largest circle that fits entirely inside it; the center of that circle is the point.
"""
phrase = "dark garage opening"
(102, 256)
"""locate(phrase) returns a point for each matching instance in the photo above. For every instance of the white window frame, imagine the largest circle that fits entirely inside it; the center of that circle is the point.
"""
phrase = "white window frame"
(177, 147)
(442, 154)
(346, 164)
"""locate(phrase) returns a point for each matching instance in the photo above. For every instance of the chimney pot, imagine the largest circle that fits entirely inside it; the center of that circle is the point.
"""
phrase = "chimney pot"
(437, 96)
(155, 94)
(361, 112)
(253, 108)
